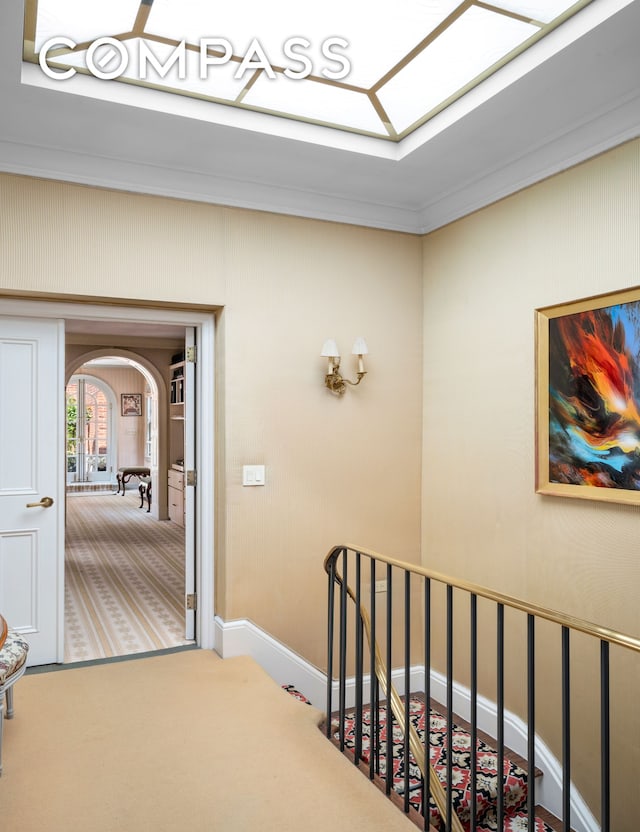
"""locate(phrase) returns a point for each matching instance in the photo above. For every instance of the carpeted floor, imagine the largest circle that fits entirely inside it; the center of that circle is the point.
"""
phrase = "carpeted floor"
(124, 578)
(185, 741)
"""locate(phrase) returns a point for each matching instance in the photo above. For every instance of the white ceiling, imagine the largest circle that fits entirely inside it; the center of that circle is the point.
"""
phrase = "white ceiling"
(499, 138)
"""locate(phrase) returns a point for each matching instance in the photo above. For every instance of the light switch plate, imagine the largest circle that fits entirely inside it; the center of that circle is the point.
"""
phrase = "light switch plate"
(253, 474)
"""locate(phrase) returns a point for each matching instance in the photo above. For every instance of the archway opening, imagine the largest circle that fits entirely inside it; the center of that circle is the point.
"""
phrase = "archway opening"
(112, 419)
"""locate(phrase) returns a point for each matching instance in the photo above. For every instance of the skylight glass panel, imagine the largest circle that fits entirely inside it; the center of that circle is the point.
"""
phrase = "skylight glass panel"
(315, 101)
(465, 50)
(376, 39)
(543, 11)
(83, 21)
(362, 66)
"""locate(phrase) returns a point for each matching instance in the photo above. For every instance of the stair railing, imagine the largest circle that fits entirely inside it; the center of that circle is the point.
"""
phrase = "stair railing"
(337, 565)
(412, 740)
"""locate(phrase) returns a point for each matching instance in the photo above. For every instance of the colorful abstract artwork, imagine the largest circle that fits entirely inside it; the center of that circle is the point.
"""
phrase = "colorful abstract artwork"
(589, 437)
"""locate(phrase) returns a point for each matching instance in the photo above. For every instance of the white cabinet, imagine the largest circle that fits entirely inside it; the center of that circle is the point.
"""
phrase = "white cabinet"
(176, 496)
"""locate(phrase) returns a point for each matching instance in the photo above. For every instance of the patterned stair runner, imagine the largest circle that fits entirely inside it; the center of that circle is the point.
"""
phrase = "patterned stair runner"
(515, 778)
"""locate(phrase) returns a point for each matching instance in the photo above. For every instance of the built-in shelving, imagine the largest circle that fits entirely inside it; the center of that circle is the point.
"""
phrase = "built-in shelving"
(175, 477)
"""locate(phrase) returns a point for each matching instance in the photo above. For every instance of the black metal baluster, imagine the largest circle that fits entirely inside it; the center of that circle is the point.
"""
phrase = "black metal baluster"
(605, 748)
(473, 613)
(330, 613)
(531, 719)
(407, 682)
(500, 726)
(343, 649)
(426, 785)
(389, 713)
(374, 745)
(358, 635)
(449, 707)
(566, 732)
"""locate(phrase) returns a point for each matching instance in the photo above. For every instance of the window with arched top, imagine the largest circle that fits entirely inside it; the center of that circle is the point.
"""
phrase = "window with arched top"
(89, 414)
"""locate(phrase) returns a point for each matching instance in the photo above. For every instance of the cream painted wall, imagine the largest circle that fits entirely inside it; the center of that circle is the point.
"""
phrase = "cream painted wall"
(338, 470)
(570, 237)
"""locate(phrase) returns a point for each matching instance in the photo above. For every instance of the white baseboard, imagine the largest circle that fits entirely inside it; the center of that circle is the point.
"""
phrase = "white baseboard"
(244, 638)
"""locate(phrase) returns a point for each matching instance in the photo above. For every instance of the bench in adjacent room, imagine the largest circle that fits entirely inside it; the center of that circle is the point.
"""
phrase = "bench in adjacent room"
(145, 491)
(125, 473)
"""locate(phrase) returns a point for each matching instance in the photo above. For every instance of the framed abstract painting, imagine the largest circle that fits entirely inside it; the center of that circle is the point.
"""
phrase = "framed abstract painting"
(588, 398)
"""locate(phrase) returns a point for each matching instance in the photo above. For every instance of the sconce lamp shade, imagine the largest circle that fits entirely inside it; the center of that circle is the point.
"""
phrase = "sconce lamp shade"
(333, 378)
(360, 347)
(330, 349)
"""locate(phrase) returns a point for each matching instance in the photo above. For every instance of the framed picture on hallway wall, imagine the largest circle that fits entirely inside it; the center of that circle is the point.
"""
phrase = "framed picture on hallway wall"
(588, 398)
(131, 404)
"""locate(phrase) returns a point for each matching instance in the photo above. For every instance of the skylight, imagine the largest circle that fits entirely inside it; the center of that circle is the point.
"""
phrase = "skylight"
(375, 68)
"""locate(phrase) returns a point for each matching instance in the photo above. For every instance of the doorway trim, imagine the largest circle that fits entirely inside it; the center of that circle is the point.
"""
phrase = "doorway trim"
(202, 318)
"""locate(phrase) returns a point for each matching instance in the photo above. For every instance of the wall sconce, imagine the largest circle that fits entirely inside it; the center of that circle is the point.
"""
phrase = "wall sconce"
(333, 380)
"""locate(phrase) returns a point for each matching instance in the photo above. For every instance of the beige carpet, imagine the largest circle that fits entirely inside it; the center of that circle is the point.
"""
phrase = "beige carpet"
(185, 741)
(124, 578)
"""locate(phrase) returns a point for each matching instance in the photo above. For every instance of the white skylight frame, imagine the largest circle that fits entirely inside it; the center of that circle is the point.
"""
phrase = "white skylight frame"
(380, 98)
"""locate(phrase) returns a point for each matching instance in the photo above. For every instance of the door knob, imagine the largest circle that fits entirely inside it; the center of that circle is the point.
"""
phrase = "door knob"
(45, 502)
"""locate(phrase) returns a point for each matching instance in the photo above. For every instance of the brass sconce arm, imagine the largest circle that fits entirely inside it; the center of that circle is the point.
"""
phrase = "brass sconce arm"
(337, 384)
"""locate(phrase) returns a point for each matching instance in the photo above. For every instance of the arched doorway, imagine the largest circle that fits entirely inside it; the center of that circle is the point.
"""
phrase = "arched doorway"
(134, 441)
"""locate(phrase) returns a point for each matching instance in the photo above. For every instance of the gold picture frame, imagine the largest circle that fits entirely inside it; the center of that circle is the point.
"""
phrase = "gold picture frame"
(588, 398)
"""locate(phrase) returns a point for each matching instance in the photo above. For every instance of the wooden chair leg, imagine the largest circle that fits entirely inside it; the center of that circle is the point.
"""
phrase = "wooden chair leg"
(1, 726)
(9, 695)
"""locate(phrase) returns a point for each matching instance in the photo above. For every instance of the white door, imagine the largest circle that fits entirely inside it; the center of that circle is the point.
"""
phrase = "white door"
(32, 483)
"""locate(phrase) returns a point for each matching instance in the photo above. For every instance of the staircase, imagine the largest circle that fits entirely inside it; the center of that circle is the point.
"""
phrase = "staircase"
(424, 615)
(514, 781)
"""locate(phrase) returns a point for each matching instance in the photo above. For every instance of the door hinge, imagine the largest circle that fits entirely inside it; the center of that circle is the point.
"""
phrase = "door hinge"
(192, 601)
(192, 477)
(192, 354)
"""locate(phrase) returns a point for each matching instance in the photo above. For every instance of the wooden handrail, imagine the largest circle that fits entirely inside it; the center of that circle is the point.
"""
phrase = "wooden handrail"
(595, 630)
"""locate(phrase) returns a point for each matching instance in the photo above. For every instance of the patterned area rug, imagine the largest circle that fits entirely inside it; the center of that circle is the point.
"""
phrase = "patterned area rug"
(124, 578)
(514, 780)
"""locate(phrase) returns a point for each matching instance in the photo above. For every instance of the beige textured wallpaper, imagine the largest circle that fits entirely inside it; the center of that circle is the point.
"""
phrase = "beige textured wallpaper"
(572, 236)
(337, 470)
